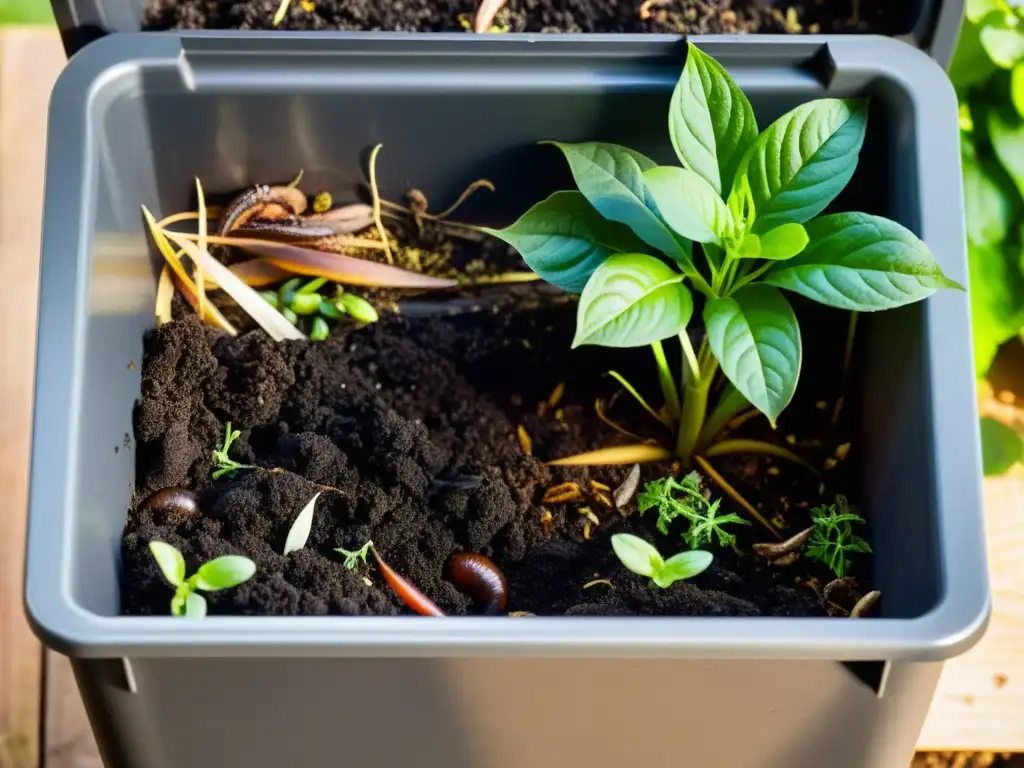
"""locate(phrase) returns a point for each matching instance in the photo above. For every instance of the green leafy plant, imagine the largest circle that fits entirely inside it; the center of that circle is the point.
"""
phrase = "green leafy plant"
(224, 464)
(355, 557)
(833, 538)
(644, 559)
(988, 73)
(738, 223)
(296, 301)
(673, 499)
(220, 573)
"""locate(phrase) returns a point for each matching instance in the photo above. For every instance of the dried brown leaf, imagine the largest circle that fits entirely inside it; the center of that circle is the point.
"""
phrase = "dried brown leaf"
(619, 454)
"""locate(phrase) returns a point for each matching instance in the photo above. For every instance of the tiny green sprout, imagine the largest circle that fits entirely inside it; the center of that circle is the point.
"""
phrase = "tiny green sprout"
(329, 309)
(223, 463)
(355, 557)
(320, 331)
(290, 315)
(358, 307)
(305, 303)
(270, 297)
(644, 560)
(673, 499)
(220, 573)
(313, 285)
(833, 537)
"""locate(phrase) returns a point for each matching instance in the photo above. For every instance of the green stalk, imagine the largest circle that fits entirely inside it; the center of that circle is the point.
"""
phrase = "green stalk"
(668, 384)
(695, 399)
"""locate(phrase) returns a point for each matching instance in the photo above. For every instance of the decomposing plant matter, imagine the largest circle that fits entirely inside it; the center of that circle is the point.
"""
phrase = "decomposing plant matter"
(737, 223)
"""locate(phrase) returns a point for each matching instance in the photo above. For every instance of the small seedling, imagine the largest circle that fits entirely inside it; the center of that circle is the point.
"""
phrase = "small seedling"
(220, 573)
(355, 557)
(673, 499)
(833, 537)
(296, 300)
(644, 560)
(224, 464)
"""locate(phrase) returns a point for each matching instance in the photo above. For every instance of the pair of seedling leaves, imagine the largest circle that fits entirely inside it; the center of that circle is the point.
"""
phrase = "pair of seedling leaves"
(750, 200)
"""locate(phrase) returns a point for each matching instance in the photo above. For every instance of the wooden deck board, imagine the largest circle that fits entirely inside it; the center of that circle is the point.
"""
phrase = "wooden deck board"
(980, 703)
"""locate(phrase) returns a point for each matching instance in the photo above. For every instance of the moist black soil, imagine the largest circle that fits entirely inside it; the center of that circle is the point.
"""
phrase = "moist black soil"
(413, 422)
(672, 16)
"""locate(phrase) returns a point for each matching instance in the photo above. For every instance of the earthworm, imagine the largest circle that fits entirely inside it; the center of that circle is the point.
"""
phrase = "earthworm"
(864, 604)
(478, 577)
(247, 204)
(284, 230)
(171, 499)
(409, 594)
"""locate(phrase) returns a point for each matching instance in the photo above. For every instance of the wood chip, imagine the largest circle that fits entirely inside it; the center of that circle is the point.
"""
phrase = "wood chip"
(625, 492)
(830, 463)
(546, 518)
(843, 451)
(586, 530)
(588, 513)
(524, 440)
(562, 493)
(604, 499)
(596, 486)
(864, 604)
(785, 559)
(520, 614)
(847, 582)
(556, 394)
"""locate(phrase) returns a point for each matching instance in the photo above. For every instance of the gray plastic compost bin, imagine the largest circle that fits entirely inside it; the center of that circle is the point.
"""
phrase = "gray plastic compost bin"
(931, 25)
(135, 117)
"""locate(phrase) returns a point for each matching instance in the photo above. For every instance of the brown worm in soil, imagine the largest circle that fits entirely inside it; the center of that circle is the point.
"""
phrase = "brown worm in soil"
(405, 589)
(478, 577)
(171, 499)
(790, 546)
(284, 230)
(864, 604)
(249, 202)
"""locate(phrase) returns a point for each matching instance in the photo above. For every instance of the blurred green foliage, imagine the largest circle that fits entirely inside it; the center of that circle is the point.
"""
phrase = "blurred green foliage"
(25, 12)
(988, 73)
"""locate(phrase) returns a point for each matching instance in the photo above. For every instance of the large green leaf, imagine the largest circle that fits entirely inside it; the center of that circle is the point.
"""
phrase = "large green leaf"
(632, 300)
(1001, 447)
(974, 10)
(611, 178)
(1006, 132)
(688, 204)
(564, 239)
(755, 337)
(710, 120)
(803, 160)
(861, 262)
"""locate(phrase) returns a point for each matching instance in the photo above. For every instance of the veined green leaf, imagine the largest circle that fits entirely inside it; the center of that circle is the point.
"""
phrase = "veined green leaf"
(564, 239)
(688, 204)
(710, 120)
(632, 300)
(755, 337)
(803, 160)
(636, 554)
(611, 178)
(861, 262)
(784, 242)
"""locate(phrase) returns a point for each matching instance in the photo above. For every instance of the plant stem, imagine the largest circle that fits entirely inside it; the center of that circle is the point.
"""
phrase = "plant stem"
(668, 384)
(698, 380)
(752, 276)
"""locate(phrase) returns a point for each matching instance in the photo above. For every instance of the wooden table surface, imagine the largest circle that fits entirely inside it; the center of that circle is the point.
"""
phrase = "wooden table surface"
(979, 705)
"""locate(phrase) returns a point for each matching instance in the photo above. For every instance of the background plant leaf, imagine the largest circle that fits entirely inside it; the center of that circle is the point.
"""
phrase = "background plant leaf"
(710, 120)
(803, 160)
(564, 239)
(172, 564)
(861, 262)
(632, 300)
(636, 554)
(224, 572)
(611, 178)
(688, 204)
(755, 337)
(1006, 132)
(1003, 40)
(1017, 88)
(1001, 447)
(971, 63)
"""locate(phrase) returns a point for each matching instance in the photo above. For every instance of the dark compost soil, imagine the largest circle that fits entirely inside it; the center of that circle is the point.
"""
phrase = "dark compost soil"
(673, 16)
(414, 421)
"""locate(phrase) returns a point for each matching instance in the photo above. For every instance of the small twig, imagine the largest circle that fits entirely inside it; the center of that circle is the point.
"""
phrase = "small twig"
(599, 409)
(847, 356)
(478, 184)
(625, 492)
(864, 604)
(724, 485)
(376, 204)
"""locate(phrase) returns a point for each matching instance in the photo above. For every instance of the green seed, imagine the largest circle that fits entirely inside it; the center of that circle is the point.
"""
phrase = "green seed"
(312, 285)
(305, 303)
(330, 310)
(270, 297)
(320, 329)
(287, 290)
(359, 308)
(290, 316)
